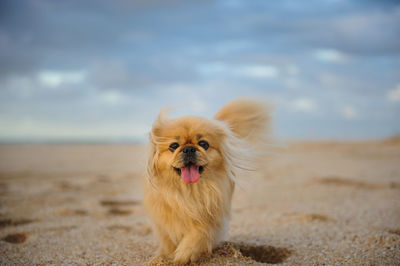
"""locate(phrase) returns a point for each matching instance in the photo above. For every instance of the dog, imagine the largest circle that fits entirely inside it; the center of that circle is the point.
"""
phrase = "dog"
(192, 168)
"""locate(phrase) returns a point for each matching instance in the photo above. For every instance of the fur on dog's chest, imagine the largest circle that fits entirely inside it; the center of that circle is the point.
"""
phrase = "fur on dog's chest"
(180, 214)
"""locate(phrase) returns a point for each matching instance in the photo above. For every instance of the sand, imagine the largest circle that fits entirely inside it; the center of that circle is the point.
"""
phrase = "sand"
(312, 203)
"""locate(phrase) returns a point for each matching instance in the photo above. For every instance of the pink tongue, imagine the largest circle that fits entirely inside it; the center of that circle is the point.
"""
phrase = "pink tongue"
(190, 174)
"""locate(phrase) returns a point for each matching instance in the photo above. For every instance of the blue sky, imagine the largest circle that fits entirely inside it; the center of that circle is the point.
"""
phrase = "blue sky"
(101, 70)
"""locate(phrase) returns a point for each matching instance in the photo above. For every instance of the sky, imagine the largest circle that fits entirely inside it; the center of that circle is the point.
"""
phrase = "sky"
(101, 70)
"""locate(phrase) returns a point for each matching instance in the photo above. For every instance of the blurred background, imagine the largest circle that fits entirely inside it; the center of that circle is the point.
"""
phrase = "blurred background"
(101, 70)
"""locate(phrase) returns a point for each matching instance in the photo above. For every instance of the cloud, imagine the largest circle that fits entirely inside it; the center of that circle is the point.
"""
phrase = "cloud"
(112, 97)
(304, 105)
(394, 95)
(331, 56)
(54, 79)
(258, 71)
(246, 71)
(349, 112)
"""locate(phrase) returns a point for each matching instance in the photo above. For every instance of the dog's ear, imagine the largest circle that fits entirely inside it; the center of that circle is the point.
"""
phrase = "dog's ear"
(154, 138)
(248, 119)
(161, 121)
(152, 158)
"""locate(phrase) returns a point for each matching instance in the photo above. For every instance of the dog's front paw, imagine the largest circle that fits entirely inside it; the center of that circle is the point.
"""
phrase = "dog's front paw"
(161, 259)
(183, 256)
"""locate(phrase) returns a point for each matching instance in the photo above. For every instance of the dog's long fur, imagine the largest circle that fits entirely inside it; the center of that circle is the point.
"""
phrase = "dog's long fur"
(191, 219)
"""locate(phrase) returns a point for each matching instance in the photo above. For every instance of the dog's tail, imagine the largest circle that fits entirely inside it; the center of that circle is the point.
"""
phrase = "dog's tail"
(249, 119)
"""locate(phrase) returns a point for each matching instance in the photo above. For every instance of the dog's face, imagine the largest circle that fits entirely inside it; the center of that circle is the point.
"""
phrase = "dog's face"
(187, 149)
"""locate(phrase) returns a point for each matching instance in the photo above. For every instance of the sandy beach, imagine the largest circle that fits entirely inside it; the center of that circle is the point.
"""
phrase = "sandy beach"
(310, 203)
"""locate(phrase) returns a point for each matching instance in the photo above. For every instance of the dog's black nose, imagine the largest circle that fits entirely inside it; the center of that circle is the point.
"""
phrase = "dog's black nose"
(189, 149)
(189, 155)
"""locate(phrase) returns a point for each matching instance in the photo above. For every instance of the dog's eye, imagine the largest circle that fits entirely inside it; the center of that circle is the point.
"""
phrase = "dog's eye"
(173, 146)
(204, 144)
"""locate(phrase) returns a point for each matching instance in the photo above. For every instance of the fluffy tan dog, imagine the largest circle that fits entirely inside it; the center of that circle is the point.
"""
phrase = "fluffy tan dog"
(192, 168)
